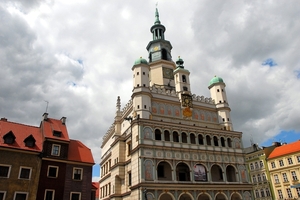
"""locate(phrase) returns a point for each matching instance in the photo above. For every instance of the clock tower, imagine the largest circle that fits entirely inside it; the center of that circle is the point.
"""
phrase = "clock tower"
(160, 59)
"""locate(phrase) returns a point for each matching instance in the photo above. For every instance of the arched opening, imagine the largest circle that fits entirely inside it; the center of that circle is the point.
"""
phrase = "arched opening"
(216, 173)
(221, 196)
(229, 142)
(236, 196)
(193, 138)
(200, 173)
(183, 137)
(208, 140)
(200, 139)
(157, 134)
(175, 137)
(203, 197)
(185, 197)
(165, 196)
(184, 78)
(164, 54)
(222, 142)
(167, 135)
(230, 174)
(216, 143)
(182, 172)
(164, 171)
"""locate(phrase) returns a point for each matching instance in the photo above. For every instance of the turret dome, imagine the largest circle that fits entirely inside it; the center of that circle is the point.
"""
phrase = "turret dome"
(140, 61)
(215, 79)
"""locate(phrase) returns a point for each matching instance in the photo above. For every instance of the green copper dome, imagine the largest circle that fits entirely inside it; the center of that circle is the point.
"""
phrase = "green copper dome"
(215, 80)
(140, 61)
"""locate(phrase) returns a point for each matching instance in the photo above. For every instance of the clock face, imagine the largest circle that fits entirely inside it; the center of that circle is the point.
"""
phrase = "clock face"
(168, 73)
(186, 101)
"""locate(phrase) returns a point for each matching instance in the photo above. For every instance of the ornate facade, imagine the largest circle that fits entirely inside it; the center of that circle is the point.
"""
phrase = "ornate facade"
(168, 143)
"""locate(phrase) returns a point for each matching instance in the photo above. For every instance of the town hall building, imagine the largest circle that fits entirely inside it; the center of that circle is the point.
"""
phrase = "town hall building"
(167, 143)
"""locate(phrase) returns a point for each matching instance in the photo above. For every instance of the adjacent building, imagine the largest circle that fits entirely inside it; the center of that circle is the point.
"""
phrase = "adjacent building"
(43, 162)
(168, 143)
(20, 160)
(284, 167)
(256, 159)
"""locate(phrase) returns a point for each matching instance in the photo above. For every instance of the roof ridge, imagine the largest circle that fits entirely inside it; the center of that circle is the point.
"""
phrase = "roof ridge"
(20, 124)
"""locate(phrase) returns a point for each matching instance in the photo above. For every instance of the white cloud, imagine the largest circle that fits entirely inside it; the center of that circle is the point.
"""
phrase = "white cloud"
(78, 56)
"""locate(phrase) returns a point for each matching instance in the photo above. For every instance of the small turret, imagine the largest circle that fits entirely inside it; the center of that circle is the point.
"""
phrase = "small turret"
(218, 94)
(182, 80)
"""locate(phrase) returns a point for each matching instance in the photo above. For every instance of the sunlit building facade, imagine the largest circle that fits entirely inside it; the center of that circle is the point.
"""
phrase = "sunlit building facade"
(167, 143)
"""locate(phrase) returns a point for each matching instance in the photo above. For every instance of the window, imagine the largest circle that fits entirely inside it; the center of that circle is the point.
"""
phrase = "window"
(256, 193)
(4, 171)
(256, 165)
(128, 148)
(2, 195)
(258, 178)
(20, 196)
(276, 178)
(268, 192)
(49, 195)
(251, 166)
(298, 191)
(298, 159)
(75, 196)
(262, 192)
(289, 192)
(264, 177)
(254, 179)
(284, 176)
(77, 173)
(57, 133)
(9, 138)
(29, 141)
(294, 175)
(281, 164)
(129, 178)
(290, 161)
(185, 88)
(25, 173)
(55, 150)
(273, 165)
(280, 194)
(52, 171)
(218, 90)
(261, 164)
(184, 78)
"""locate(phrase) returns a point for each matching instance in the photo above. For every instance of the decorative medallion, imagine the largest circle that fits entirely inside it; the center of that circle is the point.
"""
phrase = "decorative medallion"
(187, 112)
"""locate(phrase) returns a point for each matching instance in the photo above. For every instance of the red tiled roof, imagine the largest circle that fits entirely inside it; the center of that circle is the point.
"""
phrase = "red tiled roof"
(51, 125)
(79, 152)
(285, 149)
(21, 132)
(95, 186)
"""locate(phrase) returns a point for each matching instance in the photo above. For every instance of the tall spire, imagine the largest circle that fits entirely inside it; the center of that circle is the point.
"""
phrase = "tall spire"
(156, 17)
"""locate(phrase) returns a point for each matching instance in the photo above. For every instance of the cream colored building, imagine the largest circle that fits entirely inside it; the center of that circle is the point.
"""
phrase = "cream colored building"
(168, 143)
(256, 159)
(284, 167)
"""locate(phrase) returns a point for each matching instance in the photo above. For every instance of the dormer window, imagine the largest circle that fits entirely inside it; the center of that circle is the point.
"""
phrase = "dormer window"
(57, 133)
(29, 141)
(9, 138)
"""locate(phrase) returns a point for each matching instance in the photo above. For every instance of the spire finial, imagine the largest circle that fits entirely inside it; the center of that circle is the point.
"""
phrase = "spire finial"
(156, 16)
(118, 104)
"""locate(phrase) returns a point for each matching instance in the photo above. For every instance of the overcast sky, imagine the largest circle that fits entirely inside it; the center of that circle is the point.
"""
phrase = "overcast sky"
(77, 55)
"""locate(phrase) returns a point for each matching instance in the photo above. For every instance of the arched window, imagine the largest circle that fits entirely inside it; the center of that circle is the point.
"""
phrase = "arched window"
(208, 140)
(256, 193)
(200, 139)
(230, 174)
(184, 78)
(183, 137)
(264, 177)
(193, 139)
(182, 172)
(157, 134)
(167, 135)
(258, 178)
(216, 143)
(175, 137)
(229, 142)
(254, 179)
(216, 173)
(222, 142)
(164, 171)
(164, 54)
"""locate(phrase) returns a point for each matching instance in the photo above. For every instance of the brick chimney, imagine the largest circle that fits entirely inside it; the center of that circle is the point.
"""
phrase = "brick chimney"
(45, 116)
(63, 120)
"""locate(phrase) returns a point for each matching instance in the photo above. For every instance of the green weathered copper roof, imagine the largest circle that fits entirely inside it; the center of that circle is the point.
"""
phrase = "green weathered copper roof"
(180, 62)
(156, 17)
(215, 80)
(140, 61)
